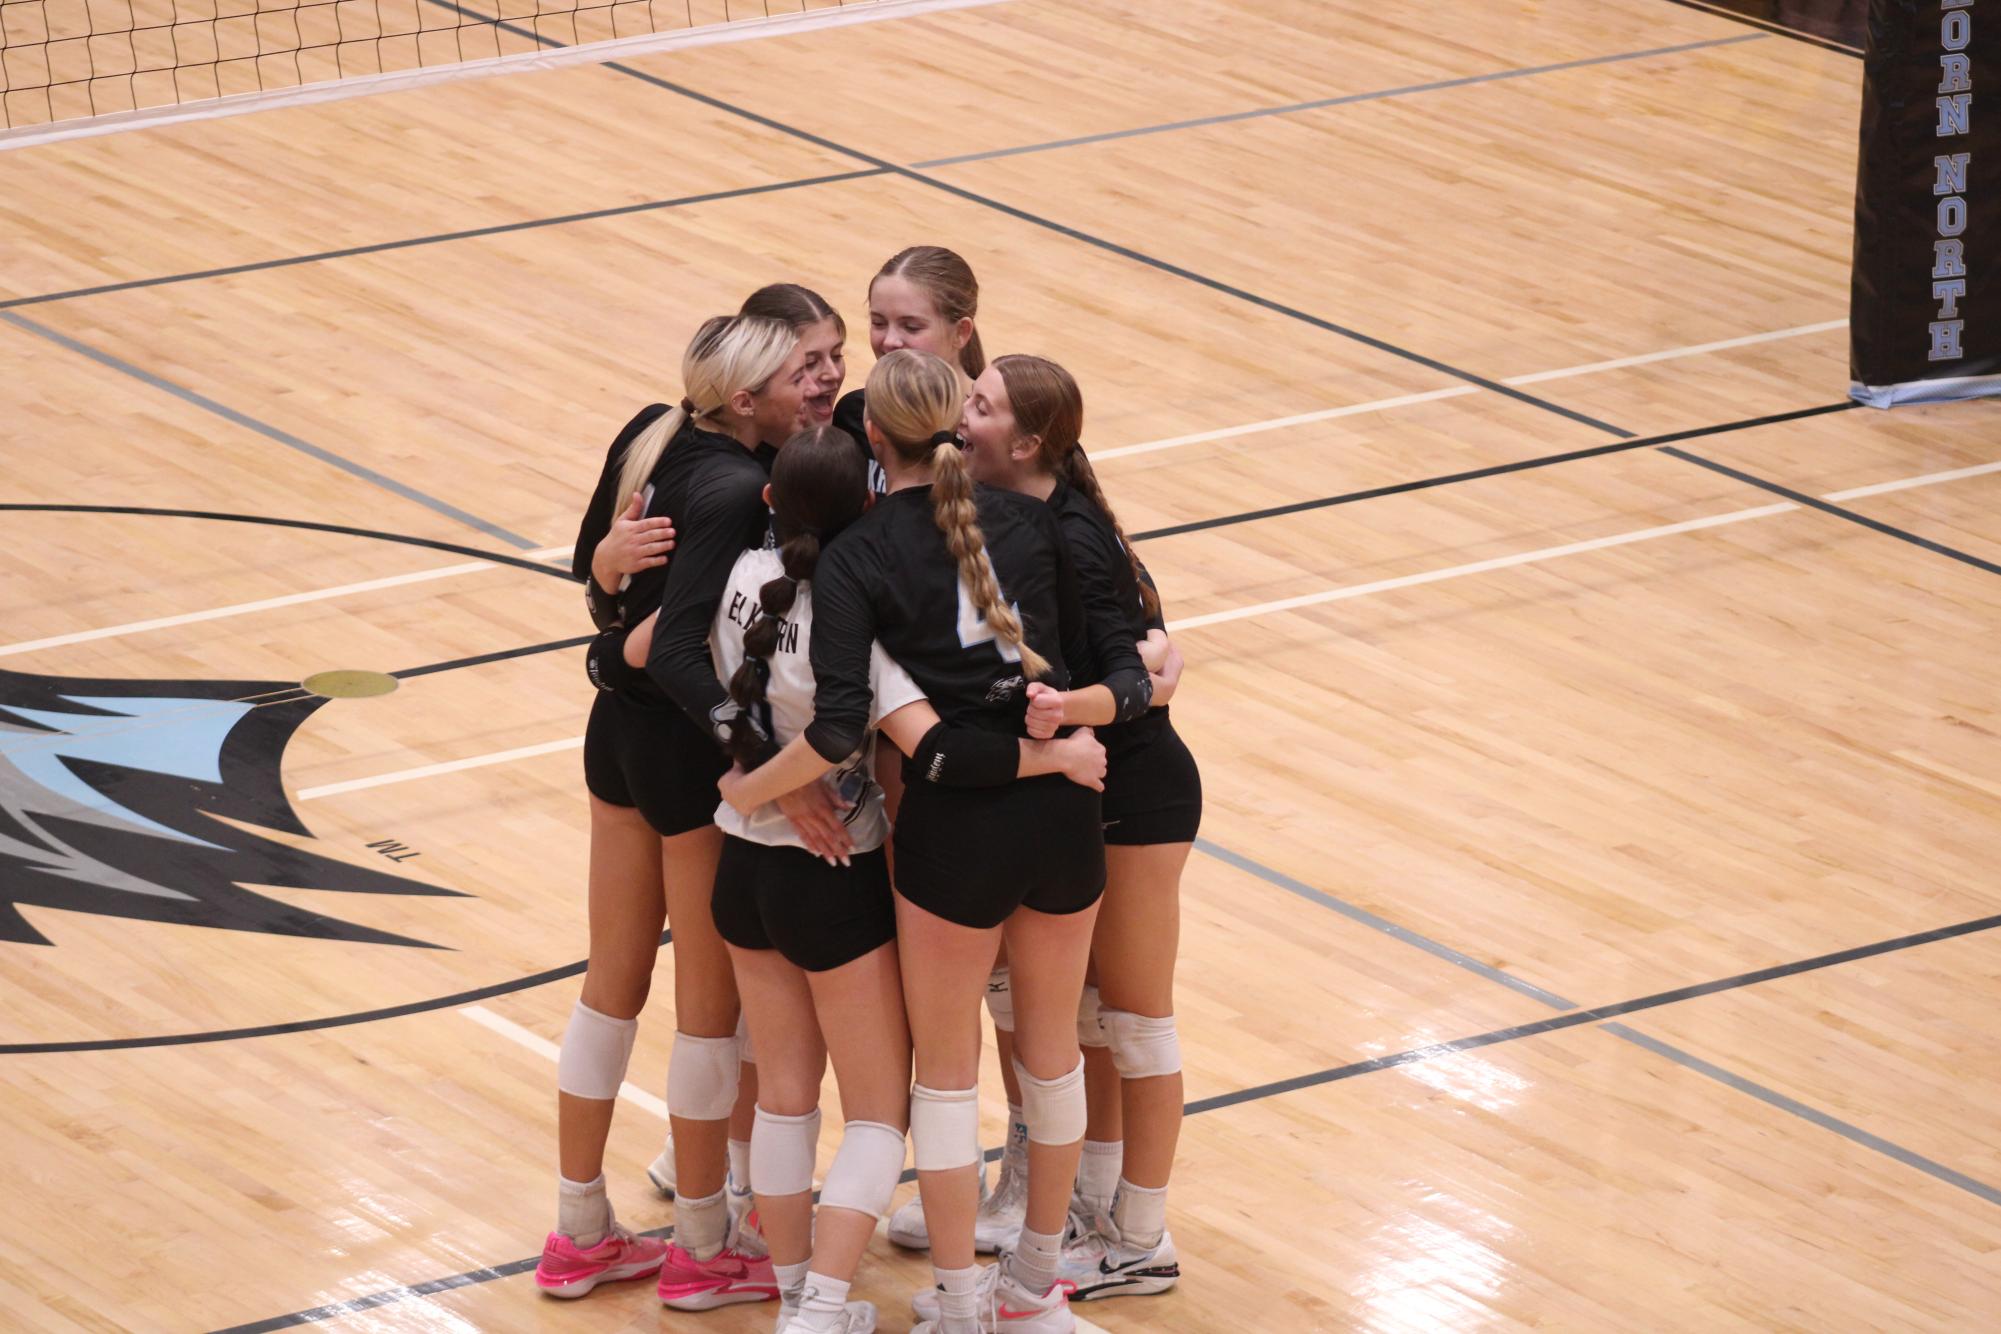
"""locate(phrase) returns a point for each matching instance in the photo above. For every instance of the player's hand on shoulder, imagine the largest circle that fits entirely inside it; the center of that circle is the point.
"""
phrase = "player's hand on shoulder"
(634, 542)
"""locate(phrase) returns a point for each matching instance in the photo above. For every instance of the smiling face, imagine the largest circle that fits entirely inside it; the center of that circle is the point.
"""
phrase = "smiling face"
(824, 345)
(901, 314)
(778, 408)
(996, 451)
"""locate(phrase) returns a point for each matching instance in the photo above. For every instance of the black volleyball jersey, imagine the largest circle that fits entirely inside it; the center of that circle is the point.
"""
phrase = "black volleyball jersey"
(1113, 611)
(889, 576)
(713, 489)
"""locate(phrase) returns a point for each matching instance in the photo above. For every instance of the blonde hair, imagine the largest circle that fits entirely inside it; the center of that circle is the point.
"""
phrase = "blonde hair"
(914, 399)
(728, 353)
(948, 280)
(1046, 404)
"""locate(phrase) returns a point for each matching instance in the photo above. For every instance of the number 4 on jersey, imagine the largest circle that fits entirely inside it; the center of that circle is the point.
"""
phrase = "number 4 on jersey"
(973, 627)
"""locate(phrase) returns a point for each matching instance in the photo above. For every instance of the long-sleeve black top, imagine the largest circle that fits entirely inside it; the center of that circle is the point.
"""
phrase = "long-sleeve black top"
(1114, 608)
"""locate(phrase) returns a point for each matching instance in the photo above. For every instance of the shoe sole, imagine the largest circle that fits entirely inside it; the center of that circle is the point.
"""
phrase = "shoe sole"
(708, 1299)
(1142, 1283)
(582, 1286)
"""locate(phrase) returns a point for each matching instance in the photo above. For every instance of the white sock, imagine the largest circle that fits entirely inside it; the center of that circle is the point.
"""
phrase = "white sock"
(822, 1306)
(701, 1225)
(1098, 1172)
(1034, 1259)
(958, 1293)
(791, 1278)
(1140, 1214)
(740, 1164)
(583, 1214)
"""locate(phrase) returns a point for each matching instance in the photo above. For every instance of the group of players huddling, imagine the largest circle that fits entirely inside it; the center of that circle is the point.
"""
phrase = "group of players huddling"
(779, 573)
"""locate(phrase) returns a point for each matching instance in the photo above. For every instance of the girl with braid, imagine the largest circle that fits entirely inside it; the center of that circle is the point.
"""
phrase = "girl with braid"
(971, 591)
(1021, 429)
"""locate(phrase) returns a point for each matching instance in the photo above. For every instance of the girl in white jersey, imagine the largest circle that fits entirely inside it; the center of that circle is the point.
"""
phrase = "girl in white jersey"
(813, 940)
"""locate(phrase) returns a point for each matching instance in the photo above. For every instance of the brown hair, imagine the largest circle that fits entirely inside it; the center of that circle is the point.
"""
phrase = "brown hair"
(915, 401)
(819, 485)
(1047, 404)
(948, 280)
(796, 305)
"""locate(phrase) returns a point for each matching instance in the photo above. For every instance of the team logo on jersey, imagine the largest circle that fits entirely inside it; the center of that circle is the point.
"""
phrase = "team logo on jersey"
(145, 800)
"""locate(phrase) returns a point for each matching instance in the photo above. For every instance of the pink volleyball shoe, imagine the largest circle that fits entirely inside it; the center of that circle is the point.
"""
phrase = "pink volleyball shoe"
(568, 1270)
(688, 1284)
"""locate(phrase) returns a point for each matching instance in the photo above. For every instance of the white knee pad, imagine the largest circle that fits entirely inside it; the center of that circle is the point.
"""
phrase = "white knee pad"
(1143, 1046)
(743, 1051)
(701, 1078)
(944, 1127)
(781, 1152)
(596, 1049)
(1000, 999)
(1053, 1108)
(863, 1177)
(1090, 1031)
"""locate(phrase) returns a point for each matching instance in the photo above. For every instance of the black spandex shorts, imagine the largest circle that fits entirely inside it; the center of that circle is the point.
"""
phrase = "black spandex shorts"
(651, 756)
(972, 855)
(817, 916)
(1153, 793)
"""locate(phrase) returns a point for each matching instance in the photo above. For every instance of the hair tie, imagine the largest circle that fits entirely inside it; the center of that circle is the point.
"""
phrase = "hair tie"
(944, 438)
(688, 407)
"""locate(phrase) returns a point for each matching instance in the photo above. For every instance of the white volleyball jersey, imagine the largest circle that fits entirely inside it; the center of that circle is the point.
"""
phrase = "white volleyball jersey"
(790, 702)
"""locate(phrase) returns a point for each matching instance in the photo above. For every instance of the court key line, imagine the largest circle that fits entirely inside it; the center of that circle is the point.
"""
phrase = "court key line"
(548, 553)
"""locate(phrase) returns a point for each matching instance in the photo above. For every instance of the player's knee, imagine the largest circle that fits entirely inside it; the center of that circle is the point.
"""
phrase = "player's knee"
(1143, 1046)
(1055, 1110)
(1000, 999)
(702, 1077)
(866, 1168)
(596, 1050)
(1090, 1029)
(781, 1151)
(944, 1127)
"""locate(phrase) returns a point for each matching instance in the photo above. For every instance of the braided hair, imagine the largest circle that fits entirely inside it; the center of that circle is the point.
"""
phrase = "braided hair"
(819, 485)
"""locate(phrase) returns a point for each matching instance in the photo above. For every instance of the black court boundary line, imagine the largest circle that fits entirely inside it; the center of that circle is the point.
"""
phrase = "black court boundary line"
(1768, 25)
(1815, 502)
(309, 1025)
(309, 525)
(501, 655)
(1061, 229)
(497, 229)
(1257, 1093)
(1495, 470)
(1164, 127)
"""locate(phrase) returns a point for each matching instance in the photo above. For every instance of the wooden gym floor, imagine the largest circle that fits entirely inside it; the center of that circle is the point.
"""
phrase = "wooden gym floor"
(1592, 926)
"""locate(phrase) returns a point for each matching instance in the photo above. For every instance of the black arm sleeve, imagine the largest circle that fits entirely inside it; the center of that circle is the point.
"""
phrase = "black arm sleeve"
(723, 513)
(602, 603)
(1107, 621)
(967, 757)
(843, 635)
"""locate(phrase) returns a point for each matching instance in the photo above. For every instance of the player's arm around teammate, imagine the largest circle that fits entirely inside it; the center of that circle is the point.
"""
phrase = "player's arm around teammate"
(1022, 424)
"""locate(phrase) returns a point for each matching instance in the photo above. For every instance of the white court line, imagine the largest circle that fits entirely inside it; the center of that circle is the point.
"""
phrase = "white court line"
(1477, 567)
(1929, 479)
(265, 604)
(432, 770)
(541, 1046)
(1457, 391)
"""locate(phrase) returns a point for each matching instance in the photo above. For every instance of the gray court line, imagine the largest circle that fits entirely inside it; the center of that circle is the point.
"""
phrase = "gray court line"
(1345, 100)
(265, 429)
(1384, 925)
(1771, 1097)
(1818, 1117)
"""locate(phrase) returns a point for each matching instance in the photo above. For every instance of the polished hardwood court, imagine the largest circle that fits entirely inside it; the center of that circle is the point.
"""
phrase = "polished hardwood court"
(1594, 921)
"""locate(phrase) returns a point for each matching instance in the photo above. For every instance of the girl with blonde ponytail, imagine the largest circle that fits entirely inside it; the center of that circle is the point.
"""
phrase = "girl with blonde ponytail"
(651, 759)
(1021, 428)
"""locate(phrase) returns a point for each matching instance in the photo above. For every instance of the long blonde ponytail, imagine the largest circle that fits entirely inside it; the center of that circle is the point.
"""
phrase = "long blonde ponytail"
(728, 353)
(915, 401)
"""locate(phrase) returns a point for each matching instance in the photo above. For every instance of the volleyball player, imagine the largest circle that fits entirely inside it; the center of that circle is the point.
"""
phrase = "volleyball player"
(813, 941)
(823, 337)
(1021, 428)
(971, 592)
(650, 762)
